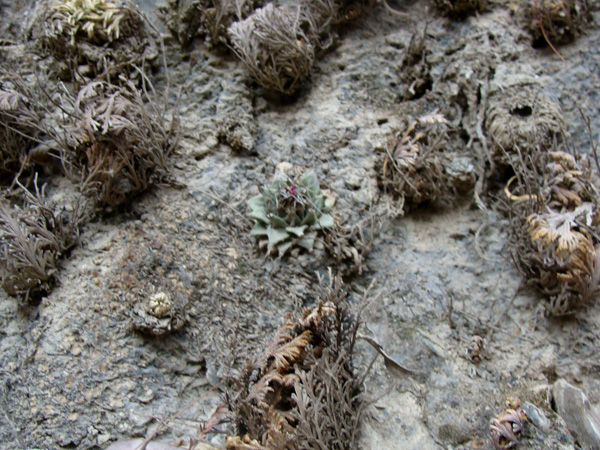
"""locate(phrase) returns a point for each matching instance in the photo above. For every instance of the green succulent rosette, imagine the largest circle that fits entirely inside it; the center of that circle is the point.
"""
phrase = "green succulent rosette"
(290, 213)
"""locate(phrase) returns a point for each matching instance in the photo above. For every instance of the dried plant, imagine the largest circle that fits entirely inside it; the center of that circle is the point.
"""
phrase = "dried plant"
(460, 7)
(476, 349)
(554, 228)
(415, 167)
(302, 393)
(555, 22)
(119, 143)
(291, 213)
(18, 132)
(209, 18)
(275, 44)
(336, 12)
(520, 122)
(33, 238)
(106, 37)
(223, 14)
(507, 426)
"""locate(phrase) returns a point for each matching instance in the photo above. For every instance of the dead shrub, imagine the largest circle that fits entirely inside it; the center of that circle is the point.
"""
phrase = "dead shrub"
(336, 12)
(460, 7)
(555, 22)
(553, 208)
(18, 132)
(209, 18)
(521, 122)
(275, 45)
(302, 391)
(119, 143)
(416, 168)
(94, 37)
(33, 239)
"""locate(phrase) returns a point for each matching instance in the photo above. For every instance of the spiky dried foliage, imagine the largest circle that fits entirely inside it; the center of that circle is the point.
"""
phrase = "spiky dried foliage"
(18, 131)
(415, 167)
(336, 12)
(554, 228)
(187, 19)
(507, 426)
(223, 13)
(32, 240)
(460, 7)
(95, 37)
(302, 393)
(119, 144)
(275, 44)
(556, 22)
(521, 121)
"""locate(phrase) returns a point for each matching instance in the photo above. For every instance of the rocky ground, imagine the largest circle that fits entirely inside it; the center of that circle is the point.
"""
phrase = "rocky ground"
(76, 373)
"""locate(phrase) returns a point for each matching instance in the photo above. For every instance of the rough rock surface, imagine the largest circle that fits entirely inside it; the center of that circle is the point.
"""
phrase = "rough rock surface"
(75, 374)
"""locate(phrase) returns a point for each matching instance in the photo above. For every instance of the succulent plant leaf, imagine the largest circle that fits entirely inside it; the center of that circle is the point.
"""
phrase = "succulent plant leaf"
(326, 221)
(310, 181)
(277, 222)
(258, 230)
(298, 231)
(276, 235)
(283, 248)
(310, 219)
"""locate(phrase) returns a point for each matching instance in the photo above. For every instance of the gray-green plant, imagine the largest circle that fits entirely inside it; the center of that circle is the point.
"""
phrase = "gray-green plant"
(290, 213)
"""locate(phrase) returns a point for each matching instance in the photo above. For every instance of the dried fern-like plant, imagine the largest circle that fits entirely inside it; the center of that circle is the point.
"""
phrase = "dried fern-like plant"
(105, 37)
(415, 166)
(119, 144)
(275, 45)
(554, 228)
(555, 22)
(33, 238)
(302, 393)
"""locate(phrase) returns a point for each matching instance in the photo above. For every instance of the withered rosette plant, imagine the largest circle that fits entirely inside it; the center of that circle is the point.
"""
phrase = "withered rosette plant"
(275, 44)
(521, 122)
(33, 238)
(291, 214)
(417, 167)
(506, 427)
(554, 216)
(302, 392)
(555, 22)
(208, 18)
(19, 121)
(94, 37)
(119, 144)
(460, 7)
